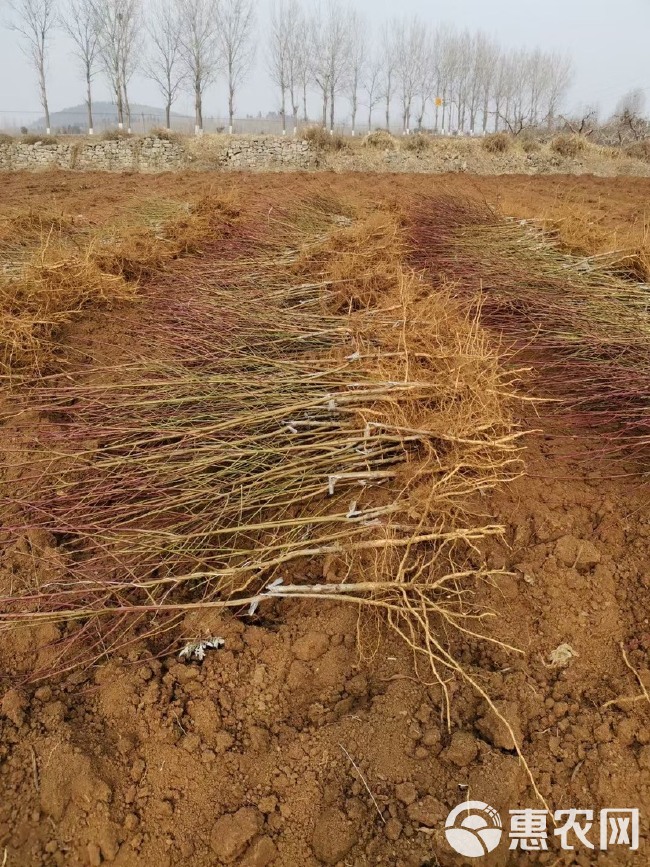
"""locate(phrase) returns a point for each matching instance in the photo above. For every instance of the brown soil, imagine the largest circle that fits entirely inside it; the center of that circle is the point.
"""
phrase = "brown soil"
(591, 214)
(291, 747)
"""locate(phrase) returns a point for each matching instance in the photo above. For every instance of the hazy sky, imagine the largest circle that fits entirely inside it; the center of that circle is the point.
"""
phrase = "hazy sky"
(608, 41)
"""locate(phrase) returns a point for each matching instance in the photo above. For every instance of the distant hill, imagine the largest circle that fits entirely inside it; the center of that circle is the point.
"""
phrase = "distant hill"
(73, 119)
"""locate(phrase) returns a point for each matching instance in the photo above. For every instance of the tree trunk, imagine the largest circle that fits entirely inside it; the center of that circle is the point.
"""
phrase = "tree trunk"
(304, 102)
(46, 108)
(370, 117)
(168, 113)
(283, 109)
(231, 108)
(127, 106)
(120, 104)
(332, 108)
(198, 109)
(324, 108)
(89, 100)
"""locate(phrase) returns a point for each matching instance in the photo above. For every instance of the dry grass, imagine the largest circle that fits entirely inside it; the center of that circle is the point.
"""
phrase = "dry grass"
(380, 139)
(570, 146)
(57, 264)
(35, 138)
(334, 433)
(165, 134)
(530, 145)
(114, 135)
(417, 143)
(497, 143)
(640, 150)
(52, 288)
(579, 229)
(582, 323)
(323, 140)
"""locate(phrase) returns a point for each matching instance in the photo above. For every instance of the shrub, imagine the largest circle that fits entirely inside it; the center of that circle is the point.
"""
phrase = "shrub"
(5, 138)
(114, 135)
(640, 150)
(39, 139)
(497, 143)
(164, 134)
(321, 139)
(530, 145)
(568, 145)
(380, 139)
(417, 143)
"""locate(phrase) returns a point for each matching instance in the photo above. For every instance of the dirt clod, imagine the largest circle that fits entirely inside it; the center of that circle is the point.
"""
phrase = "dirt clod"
(462, 750)
(262, 852)
(232, 833)
(428, 812)
(13, 706)
(334, 836)
(311, 646)
(496, 731)
(577, 553)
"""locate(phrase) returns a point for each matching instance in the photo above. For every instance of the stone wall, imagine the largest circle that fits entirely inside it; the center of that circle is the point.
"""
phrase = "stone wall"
(150, 154)
(153, 154)
(265, 152)
(276, 153)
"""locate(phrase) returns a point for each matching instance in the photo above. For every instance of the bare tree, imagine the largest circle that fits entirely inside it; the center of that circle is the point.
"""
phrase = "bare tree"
(388, 55)
(446, 61)
(318, 58)
(298, 60)
(300, 75)
(79, 22)
(330, 53)
(632, 103)
(426, 76)
(118, 23)
(235, 23)
(34, 21)
(372, 86)
(356, 61)
(199, 50)
(630, 115)
(278, 53)
(560, 75)
(410, 45)
(286, 57)
(164, 63)
(584, 123)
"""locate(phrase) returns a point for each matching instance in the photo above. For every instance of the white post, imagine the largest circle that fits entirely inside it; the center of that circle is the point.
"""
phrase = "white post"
(90, 131)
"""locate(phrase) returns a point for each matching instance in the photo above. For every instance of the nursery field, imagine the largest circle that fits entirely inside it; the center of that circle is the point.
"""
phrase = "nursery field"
(323, 509)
